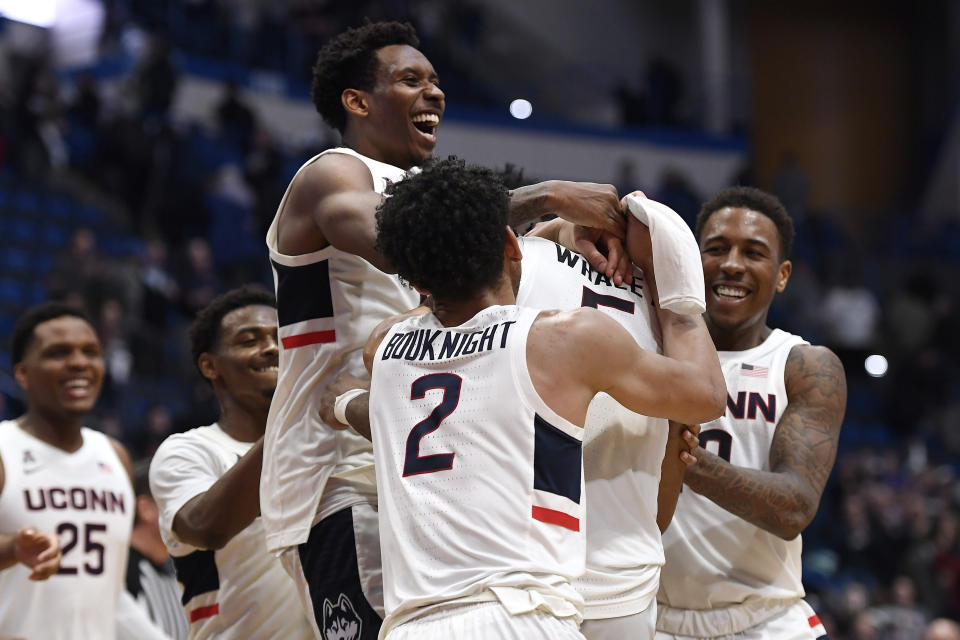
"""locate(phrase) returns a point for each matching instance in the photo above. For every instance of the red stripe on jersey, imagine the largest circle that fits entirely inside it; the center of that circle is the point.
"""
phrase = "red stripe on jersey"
(314, 337)
(204, 612)
(556, 517)
(814, 620)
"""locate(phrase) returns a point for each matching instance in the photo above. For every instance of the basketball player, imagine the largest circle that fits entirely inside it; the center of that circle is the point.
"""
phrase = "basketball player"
(318, 492)
(206, 482)
(477, 413)
(624, 452)
(733, 550)
(57, 475)
(37, 550)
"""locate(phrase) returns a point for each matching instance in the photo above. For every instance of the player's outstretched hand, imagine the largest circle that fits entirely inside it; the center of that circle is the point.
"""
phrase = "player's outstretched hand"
(591, 205)
(39, 551)
(341, 384)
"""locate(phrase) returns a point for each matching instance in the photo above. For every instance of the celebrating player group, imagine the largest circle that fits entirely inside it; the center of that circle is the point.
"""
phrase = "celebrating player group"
(441, 429)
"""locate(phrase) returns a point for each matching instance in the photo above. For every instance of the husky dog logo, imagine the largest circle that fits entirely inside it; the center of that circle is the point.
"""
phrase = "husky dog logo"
(340, 621)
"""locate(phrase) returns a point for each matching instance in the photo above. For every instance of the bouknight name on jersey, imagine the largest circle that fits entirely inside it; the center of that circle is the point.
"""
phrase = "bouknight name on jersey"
(436, 344)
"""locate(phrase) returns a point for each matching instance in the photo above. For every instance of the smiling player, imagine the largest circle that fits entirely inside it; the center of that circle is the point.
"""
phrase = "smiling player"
(318, 493)
(733, 550)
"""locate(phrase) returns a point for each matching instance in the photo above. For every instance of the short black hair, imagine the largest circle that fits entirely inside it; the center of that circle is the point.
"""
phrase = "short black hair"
(443, 229)
(205, 330)
(23, 335)
(755, 200)
(349, 61)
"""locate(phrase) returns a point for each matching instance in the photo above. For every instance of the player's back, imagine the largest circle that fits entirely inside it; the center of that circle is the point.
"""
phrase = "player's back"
(328, 303)
(479, 481)
(86, 498)
(715, 559)
(623, 450)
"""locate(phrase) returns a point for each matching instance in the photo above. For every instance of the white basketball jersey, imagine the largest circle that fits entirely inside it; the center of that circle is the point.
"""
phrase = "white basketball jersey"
(479, 480)
(86, 498)
(328, 303)
(241, 590)
(623, 450)
(714, 558)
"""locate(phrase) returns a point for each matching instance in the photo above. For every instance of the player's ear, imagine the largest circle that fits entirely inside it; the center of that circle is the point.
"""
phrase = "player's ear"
(354, 102)
(511, 247)
(20, 375)
(783, 274)
(208, 366)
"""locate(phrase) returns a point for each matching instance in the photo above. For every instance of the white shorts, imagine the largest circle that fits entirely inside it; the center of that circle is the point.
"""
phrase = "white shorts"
(795, 622)
(639, 626)
(484, 621)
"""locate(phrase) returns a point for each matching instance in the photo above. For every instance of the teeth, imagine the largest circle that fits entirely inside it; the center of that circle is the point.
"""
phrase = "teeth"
(732, 292)
(272, 368)
(77, 384)
(432, 118)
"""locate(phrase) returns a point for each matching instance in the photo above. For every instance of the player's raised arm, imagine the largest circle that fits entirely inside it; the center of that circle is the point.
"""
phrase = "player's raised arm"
(784, 500)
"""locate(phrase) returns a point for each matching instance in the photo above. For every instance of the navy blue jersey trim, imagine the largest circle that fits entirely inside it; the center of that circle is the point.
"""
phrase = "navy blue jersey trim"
(198, 574)
(303, 292)
(557, 460)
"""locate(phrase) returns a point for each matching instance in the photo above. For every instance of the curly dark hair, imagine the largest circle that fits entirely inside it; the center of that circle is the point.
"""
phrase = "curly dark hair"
(755, 200)
(22, 334)
(205, 330)
(443, 229)
(349, 61)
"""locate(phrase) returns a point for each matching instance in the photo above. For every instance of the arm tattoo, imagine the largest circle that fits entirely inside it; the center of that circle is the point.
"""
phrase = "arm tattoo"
(785, 499)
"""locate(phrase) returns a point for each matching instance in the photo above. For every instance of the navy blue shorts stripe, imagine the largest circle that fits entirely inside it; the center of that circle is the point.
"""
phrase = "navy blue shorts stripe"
(557, 457)
(329, 562)
(303, 292)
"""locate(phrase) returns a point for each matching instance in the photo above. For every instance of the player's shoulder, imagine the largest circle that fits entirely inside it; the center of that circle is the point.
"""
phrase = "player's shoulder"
(813, 366)
(330, 173)
(582, 324)
(198, 438)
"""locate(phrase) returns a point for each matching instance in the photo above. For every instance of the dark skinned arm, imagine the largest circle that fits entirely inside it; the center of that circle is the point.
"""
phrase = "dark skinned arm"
(681, 441)
(211, 519)
(584, 203)
(784, 500)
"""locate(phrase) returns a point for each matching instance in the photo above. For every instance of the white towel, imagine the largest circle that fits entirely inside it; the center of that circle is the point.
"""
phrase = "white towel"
(676, 256)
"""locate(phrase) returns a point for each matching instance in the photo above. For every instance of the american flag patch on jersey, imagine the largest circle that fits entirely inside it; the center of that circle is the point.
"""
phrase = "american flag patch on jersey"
(753, 371)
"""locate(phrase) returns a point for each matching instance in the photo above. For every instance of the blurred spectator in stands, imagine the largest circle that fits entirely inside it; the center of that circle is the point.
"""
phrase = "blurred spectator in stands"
(80, 274)
(263, 171)
(154, 80)
(84, 108)
(901, 618)
(197, 278)
(851, 313)
(792, 185)
(663, 87)
(676, 192)
(942, 629)
(156, 426)
(236, 121)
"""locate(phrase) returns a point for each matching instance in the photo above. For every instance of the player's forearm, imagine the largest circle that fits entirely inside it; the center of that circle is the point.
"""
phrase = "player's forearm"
(672, 470)
(358, 414)
(776, 502)
(686, 339)
(213, 518)
(530, 202)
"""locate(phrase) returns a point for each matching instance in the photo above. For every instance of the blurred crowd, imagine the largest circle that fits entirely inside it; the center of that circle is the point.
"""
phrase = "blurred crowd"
(176, 213)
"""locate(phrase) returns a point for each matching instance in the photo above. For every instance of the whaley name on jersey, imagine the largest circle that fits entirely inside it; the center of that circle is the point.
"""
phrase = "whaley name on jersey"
(76, 498)
(579, 263)
(427, 344)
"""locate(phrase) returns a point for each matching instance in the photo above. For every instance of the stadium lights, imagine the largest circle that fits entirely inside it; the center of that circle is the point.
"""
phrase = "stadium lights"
(40, 13)
(876, 365)
(521, 109)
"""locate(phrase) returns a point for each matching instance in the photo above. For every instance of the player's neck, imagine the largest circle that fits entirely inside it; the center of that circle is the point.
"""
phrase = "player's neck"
(738, 338)
(57, 431)
(241, 423)
(366, 147)
(452, 314)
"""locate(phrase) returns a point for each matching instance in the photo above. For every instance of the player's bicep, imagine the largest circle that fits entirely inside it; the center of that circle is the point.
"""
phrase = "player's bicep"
(806, 437)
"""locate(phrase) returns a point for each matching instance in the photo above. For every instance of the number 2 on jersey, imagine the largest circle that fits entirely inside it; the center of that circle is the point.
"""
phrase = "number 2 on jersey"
(89, 546)
(413, 462)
